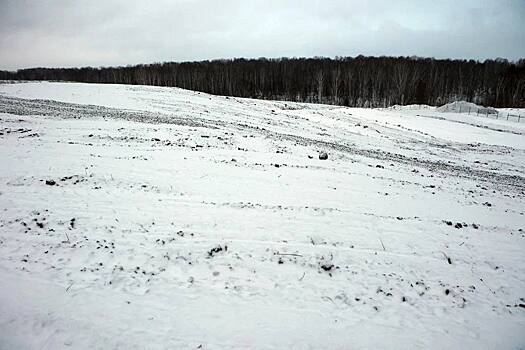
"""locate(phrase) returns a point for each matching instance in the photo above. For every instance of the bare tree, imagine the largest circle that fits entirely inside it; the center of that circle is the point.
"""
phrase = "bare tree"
(336, 82)
(320, 80)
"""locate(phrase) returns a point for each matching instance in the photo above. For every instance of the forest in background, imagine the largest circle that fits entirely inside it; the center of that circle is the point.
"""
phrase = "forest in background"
(350, 81)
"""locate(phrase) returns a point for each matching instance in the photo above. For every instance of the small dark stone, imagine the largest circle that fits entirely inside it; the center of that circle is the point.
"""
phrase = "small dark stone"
(458, 225)
(327, 267)
(216, 250)
(50, 182)
(323, 156)
(447, 291)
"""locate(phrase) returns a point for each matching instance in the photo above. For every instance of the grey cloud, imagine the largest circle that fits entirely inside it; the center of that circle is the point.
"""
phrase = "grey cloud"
(116, 32)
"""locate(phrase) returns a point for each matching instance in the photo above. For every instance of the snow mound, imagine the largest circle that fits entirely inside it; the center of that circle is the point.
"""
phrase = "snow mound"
(466, 107)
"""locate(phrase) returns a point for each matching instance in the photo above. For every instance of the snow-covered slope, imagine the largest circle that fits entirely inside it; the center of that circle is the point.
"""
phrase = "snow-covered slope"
(147, 217)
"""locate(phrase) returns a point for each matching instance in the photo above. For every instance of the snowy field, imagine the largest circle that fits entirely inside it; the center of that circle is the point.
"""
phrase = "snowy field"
(140, 217)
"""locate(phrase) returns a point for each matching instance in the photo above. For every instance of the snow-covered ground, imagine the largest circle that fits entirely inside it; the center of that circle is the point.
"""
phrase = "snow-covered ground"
(149, 218)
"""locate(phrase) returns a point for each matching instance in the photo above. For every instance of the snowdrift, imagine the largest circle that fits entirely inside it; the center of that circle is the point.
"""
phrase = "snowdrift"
(466, 107)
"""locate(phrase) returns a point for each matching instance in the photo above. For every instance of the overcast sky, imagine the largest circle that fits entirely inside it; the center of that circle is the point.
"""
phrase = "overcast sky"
(70, 33)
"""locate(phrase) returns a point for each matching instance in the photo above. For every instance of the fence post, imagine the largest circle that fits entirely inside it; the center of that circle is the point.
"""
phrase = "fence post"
(469, 110)
(507, 116)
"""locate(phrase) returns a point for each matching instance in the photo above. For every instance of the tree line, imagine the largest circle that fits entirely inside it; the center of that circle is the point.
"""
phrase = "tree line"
(351, 81)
